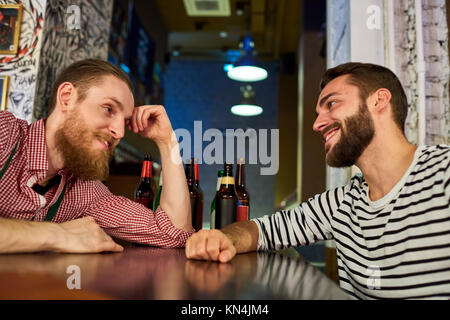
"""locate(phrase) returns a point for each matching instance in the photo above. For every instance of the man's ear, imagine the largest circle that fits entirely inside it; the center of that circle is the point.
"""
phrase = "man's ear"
(65, 96)
(379, 100)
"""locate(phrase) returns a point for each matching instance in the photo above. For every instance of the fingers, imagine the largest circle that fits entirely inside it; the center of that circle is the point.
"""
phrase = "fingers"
(142, 114)
(211, 245)
(110, 246)
(84, 235)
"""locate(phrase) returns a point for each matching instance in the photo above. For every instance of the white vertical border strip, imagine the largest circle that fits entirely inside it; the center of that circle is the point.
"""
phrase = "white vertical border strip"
(389, 5)
(421, 101)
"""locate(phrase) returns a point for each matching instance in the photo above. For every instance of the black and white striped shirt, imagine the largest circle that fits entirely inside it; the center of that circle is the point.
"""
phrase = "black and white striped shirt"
(395, 247)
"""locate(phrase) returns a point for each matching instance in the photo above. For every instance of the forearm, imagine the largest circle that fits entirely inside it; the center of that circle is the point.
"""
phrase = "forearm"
(243, 235)
(26, 236)
(175, 194)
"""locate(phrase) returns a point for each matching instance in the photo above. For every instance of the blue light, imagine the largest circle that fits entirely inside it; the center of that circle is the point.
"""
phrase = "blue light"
(228, 67)
(125, 68)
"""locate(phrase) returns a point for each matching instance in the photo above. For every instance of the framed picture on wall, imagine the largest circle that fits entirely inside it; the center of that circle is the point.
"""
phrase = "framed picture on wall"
(10, 22)
(4, 82)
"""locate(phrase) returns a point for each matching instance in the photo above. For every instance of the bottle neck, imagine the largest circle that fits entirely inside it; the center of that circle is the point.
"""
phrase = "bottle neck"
(240, 176)
(196, 174)
(146, 169)
(190, 175)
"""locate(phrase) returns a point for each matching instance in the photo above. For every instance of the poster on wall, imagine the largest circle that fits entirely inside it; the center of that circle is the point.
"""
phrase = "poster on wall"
(4, 85)
(10, 22)
(22, 67)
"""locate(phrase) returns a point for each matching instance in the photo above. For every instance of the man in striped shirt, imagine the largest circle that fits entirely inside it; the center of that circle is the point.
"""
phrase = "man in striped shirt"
(391, 224)
(51, 194)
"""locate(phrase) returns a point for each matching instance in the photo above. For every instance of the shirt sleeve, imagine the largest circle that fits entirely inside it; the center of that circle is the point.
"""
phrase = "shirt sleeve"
(8, 133)
(308, 223)
(125, 219)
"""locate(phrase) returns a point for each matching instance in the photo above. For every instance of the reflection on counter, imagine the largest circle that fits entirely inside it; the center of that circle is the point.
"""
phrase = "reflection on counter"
(155, 273)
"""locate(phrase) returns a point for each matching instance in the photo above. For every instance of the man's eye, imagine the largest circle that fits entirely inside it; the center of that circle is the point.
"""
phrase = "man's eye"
(107, 109)
(330, 103)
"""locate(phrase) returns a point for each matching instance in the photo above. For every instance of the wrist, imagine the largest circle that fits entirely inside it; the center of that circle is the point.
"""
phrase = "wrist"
(166, 144)
(53, 237)
(169, 149)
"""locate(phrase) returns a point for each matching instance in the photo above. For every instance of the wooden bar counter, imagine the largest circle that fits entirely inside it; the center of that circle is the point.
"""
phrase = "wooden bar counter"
(163, 274)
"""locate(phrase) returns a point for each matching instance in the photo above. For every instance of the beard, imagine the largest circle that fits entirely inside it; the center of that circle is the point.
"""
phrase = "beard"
(74, 141)
(357, 135)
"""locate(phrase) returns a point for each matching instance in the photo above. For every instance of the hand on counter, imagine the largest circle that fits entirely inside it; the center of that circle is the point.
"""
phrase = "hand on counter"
(211, 245)
(222, 245)
(77, 236)
(84, 236)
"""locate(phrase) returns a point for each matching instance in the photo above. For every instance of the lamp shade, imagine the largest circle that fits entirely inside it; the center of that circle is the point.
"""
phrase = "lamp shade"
(247, 70)
(246, 110)
(248, 105)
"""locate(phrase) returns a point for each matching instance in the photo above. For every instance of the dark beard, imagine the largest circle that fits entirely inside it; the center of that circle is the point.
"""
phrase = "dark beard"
(73, 141)
(358, 133)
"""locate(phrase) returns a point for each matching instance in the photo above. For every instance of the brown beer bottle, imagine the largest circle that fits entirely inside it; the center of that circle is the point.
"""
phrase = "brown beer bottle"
(226, 199)
(212, 222)
(193, 195)
(200, 194)
(243, 211)
(144, 193)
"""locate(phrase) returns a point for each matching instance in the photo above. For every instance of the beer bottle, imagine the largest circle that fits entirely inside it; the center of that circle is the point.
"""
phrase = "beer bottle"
(226, 199)
(193, 195)
(144, 193)
(243, 211)
(213, 204)
(200, 194)
(158, 195)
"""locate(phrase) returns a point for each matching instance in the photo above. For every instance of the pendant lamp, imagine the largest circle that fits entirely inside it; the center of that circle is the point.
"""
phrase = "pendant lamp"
(248, 105)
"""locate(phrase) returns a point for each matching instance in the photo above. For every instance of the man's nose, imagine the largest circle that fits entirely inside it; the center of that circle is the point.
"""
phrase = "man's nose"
(321, 123)
(117, 129)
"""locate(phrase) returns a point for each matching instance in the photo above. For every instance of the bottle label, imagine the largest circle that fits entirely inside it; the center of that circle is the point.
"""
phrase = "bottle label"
(226, 212)
(227, 180)
(219, 182)
(196, 172)
(213, 219)
(242, 213)
(146, 169)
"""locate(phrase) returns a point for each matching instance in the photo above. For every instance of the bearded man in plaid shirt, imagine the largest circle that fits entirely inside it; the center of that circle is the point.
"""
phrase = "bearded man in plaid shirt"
(52, 198)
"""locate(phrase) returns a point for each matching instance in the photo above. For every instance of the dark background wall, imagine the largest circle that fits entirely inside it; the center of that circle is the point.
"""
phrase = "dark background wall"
(200, 90)
(313, 65)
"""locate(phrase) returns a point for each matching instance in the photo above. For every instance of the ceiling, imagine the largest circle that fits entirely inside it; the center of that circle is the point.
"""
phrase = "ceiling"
(274, 26)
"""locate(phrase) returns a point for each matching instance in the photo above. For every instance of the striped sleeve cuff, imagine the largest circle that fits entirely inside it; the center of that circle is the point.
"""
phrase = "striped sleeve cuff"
(262, 241)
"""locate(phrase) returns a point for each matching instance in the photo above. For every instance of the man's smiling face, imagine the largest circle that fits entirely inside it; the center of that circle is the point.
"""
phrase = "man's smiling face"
(344, 122)
(93, 127)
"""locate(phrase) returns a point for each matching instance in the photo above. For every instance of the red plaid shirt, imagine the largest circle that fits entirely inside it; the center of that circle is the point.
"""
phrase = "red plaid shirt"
(118, 216)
